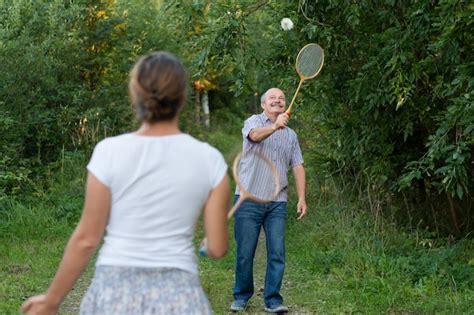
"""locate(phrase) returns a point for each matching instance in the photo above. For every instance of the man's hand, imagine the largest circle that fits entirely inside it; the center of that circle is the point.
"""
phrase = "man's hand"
(301, 209)
(281, 121)
(39, 305)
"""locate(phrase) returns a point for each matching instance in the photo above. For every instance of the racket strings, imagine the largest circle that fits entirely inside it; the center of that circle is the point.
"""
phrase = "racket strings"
(258, 177)
(309, 61)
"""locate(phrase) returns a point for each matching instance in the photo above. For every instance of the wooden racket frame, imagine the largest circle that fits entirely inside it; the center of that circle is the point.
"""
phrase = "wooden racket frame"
(302, 77)
(244, 194)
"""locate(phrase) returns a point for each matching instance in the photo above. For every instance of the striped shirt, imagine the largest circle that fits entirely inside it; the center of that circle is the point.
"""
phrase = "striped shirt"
(281, 147)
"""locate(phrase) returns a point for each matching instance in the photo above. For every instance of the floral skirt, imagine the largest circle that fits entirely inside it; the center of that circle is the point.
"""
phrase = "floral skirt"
(136, 290)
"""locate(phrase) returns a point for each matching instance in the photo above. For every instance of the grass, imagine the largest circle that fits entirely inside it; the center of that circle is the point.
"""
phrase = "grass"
(346, 268)
(31, 246)
(335, 264)
(339, 259)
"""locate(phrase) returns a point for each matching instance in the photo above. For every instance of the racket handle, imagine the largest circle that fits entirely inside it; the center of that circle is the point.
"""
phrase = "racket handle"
(288, 111)
(203, 248)
(234, 208)
(289, 116)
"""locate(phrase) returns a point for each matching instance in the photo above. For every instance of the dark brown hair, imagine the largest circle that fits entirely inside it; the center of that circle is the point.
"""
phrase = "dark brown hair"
(157, 87)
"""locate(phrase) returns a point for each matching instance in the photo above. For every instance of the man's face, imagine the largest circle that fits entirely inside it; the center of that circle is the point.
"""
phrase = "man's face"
(274, 103)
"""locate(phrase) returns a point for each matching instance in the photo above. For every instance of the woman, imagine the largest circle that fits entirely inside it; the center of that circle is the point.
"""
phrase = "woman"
(146, 189)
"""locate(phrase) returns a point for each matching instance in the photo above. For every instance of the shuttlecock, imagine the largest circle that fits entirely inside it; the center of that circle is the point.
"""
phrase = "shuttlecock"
(286, 24)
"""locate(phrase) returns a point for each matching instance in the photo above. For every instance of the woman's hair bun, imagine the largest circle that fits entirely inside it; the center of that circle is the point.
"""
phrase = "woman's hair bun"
(158, 87)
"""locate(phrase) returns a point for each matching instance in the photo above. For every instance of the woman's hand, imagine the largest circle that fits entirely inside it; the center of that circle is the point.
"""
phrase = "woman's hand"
(203, 247)
(39, 305)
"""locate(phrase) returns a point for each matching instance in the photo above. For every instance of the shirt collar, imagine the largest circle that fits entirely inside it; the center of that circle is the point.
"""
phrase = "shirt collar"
(265, 117)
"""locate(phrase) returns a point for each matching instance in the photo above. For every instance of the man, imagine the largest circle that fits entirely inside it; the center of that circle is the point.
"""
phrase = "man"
(267, 133)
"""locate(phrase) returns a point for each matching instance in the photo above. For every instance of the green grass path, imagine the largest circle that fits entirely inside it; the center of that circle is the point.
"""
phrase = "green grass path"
(338, 261)
(72, 302)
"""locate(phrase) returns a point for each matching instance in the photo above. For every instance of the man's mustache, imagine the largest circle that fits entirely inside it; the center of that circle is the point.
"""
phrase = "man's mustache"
(277, 104)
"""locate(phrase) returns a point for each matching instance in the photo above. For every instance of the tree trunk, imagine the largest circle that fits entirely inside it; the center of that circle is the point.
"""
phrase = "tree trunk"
(205, 108)
(197, 106)
(454, 216)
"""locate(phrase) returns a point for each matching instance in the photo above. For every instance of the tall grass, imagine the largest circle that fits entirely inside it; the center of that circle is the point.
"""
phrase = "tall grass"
(344, 259)
(34, 228)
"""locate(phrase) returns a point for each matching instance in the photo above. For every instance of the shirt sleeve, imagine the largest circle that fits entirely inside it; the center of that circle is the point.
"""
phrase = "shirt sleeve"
(296, 155)
(98, 164)
(218, 167)
(250, 124)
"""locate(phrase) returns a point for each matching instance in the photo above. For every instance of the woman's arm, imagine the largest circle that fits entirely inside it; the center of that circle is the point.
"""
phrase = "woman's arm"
(215, 220)
(81, 246)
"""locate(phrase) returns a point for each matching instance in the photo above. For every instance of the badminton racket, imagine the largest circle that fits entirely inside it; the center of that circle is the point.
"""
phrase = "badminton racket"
(309, 63)
(257, 178)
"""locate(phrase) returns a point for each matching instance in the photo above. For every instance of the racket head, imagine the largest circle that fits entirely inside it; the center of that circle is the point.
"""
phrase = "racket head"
(257, 177)
(309, 61)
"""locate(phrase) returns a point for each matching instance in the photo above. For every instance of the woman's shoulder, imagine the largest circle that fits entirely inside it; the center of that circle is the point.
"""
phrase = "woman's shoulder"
(113, 144)
(202, 149)
(199, 143)
(108, 141)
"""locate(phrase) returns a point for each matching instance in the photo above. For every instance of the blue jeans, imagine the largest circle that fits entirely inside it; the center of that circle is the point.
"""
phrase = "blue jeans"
(249, 218)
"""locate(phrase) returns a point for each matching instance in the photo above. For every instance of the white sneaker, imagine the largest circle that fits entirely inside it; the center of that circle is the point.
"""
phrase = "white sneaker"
(277, 309)
(237, 306)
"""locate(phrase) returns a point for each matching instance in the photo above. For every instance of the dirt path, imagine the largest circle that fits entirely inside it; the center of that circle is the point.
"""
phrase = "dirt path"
(73, 300)
(72, 303)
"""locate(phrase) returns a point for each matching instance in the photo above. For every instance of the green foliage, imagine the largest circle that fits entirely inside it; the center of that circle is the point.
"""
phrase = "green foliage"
(64, 83)
(350, 261)
(393, 104)
(392, 110)
(446, 163)
(36, 58)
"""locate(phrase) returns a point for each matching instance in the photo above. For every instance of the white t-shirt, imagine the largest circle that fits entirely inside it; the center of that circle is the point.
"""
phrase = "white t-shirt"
(159, 185)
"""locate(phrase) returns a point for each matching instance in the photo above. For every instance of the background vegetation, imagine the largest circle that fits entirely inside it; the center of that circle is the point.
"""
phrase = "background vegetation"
(386, 129)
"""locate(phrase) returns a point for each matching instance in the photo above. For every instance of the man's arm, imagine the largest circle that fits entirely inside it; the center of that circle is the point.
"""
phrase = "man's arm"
(261, 133)
(300, 181)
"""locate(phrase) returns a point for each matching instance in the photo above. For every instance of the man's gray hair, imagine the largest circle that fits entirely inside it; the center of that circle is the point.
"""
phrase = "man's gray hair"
(263, 97)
